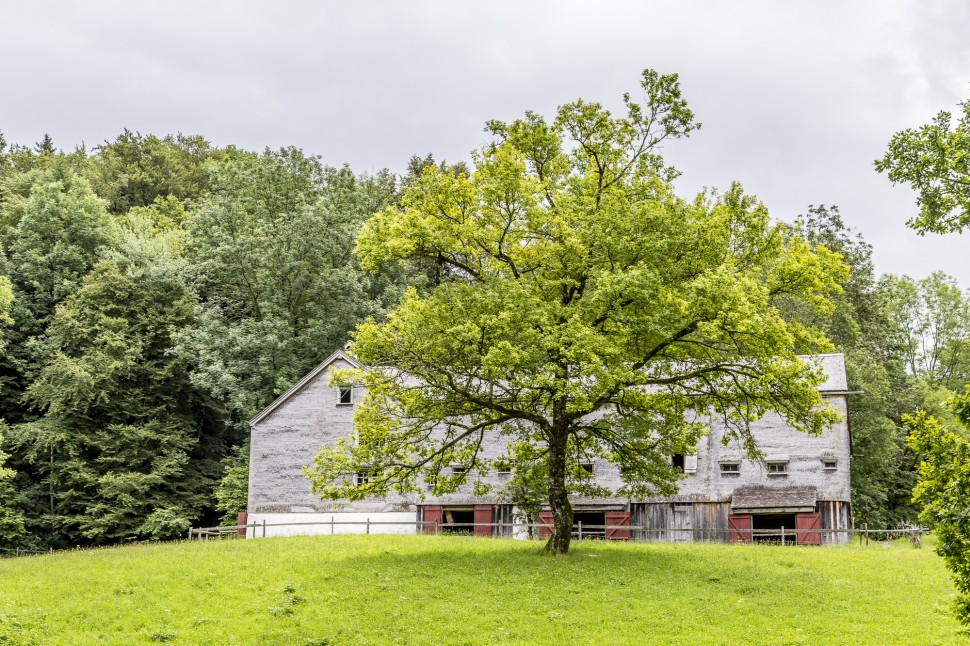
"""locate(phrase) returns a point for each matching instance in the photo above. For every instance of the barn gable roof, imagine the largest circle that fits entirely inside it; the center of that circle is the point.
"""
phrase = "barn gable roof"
(298, 386)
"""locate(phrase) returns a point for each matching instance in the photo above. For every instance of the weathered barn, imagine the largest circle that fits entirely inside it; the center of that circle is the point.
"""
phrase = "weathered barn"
(803, 482)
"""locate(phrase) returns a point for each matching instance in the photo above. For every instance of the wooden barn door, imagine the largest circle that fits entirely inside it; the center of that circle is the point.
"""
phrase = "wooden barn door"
(483, 520)
(431, 514)
(739, 528)
(617, 518)
(546, 524)
(808, 522)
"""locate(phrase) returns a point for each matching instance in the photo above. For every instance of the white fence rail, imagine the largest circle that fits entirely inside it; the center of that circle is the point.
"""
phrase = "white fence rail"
(781, 535)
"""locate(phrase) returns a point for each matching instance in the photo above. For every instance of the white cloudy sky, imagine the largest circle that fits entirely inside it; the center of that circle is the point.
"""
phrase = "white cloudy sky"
(797, 98)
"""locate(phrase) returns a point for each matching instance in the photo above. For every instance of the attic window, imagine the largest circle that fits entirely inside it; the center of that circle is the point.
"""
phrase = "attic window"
(346, 393)
(777, 468)
(677, 461)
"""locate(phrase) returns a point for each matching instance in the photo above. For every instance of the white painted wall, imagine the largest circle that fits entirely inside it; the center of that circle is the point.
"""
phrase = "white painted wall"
(281, 524)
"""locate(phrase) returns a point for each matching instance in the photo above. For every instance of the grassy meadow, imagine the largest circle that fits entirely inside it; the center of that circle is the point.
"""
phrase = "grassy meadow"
(463, 590)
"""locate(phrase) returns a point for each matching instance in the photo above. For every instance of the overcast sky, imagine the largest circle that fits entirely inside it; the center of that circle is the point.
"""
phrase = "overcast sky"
(797, 98)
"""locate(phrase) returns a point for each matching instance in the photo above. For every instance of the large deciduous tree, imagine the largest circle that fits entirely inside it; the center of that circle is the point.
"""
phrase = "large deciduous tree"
(935, 160)
(589, 313)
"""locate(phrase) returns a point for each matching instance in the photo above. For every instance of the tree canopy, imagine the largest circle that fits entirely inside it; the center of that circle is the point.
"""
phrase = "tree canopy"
(591, 313)
(935, 160)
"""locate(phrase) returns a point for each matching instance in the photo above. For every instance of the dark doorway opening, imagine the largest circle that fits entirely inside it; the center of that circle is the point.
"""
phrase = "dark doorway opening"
(768, 528)
(589, 524)
(459, 521)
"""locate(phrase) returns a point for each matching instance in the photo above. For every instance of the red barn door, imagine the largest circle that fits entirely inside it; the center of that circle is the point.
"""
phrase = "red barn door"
(483, 520)
(432, 514)
(614, 518)
(546, 524)
(739, 528)
(808, 522)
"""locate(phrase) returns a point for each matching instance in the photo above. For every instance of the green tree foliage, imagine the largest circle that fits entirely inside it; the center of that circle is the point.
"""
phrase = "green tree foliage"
(45, 146)
(11, 519)
(56, 241)
(232, 493)
(935, 160)
(6, 301)
(590, 312)
(135, 170)
(932, 317)
(943, 490)
(58, 237)
(126, 447)
(271, 260)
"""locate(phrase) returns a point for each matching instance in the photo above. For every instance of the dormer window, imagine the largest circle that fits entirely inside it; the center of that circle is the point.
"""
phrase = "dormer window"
(345, 394)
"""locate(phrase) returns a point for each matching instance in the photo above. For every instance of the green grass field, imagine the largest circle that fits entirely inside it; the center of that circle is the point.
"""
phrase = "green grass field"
(463, 590)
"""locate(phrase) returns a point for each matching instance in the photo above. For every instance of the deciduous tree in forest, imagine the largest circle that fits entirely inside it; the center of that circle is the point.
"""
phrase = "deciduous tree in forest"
(590, 313)
(135, 169)
(935, 160)
(272, 264)
(60, 231)
(126, 446)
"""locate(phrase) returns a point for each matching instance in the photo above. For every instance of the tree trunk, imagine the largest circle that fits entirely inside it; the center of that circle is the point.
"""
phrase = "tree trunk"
(562, 511)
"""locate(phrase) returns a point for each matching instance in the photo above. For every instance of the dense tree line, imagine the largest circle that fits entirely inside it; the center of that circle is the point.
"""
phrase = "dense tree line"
(156, 292)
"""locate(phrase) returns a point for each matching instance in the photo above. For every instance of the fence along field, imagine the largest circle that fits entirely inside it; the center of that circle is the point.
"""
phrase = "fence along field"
(784, 536)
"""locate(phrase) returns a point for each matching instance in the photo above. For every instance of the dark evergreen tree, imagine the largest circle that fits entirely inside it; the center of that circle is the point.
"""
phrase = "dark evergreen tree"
(45, 145)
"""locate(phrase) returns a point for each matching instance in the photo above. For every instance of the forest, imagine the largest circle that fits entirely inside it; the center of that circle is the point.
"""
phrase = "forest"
(157, 292)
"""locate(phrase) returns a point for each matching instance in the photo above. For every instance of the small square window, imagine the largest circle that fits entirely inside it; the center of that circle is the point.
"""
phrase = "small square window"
(830, 465)
(346, 393)
(777, 468)
(730, 467)
(362, 477)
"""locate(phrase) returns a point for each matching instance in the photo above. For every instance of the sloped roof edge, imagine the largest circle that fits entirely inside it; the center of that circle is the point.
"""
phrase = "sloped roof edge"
(298, 386)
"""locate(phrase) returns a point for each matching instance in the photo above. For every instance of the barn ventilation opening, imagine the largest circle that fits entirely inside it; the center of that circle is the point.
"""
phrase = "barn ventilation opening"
(770, 528)
(590, 522)
(459, 521)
